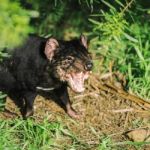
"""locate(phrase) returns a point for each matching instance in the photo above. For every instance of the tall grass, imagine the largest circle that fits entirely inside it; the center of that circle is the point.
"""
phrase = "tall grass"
(20, 135)
(29, 134)
(126, 42)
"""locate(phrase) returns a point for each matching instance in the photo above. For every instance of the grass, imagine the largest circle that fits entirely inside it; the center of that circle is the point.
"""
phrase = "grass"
(127, 44)
(19, 134)
(29, 134)
(107, 144)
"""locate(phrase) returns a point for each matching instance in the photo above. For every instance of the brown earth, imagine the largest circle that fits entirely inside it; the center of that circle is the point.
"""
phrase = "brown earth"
(106, 114)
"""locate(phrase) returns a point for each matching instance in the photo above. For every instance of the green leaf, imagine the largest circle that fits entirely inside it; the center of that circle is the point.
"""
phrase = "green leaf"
(132, 39)
(94, 21)
(108, 4)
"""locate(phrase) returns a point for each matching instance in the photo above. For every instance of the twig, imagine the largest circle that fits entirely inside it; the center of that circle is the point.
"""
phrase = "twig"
(129, 110)
(127, 6)
(114, 90)
(85, 95)
(123, 110)
(129, 143)
(126, 120)
(128, 96)
(9, 112)
(106, 75)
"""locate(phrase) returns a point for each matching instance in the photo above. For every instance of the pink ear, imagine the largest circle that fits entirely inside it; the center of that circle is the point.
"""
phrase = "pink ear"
(83, 40)
(50, 48)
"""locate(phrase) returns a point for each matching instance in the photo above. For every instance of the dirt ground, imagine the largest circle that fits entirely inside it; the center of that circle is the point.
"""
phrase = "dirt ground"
(105, 114)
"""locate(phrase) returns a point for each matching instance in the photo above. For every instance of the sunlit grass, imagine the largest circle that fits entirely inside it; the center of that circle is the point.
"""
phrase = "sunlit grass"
(28, 134)
(20, 134)
(125, 43)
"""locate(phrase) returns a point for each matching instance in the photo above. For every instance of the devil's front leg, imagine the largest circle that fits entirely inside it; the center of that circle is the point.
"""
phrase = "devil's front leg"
(29, 98)
(63, 96)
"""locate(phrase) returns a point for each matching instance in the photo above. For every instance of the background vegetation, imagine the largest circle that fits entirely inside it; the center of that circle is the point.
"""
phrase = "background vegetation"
(118, 31)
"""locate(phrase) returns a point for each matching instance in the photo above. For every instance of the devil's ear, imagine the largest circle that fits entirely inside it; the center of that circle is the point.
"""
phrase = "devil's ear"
(83, 40)
(50, 48)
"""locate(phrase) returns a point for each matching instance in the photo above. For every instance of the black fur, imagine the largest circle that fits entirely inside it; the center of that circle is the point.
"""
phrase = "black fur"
(29, 68)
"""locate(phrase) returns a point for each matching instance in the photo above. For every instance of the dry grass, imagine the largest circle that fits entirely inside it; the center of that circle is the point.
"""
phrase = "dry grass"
(105, 114)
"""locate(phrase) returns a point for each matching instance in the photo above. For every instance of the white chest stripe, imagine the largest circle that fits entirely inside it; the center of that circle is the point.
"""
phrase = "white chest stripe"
(44, 89)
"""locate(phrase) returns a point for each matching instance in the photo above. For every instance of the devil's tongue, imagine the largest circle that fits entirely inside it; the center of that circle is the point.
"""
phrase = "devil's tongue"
(76, 82)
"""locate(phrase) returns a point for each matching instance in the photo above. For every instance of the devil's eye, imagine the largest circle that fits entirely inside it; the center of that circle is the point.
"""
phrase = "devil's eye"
(70, 58)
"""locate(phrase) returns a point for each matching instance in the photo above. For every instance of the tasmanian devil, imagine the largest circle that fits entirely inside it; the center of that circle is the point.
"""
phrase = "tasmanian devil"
(45, 65)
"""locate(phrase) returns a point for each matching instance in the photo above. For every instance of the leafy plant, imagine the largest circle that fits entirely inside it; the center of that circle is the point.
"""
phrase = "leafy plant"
(14, 23)
(28, 134)
(124, 42)
(105, 144)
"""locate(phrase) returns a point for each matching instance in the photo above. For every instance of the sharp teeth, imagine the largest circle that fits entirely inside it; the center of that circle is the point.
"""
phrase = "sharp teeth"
(80, 73)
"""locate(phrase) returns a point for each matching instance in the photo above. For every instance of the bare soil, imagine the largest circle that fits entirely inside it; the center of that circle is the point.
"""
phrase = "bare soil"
(105, 114)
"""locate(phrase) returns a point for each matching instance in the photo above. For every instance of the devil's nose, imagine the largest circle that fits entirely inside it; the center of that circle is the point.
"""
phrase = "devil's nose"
(88, 65)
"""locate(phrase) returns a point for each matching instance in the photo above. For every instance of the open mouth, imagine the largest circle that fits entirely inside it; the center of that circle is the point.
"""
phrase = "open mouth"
(76, 81)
